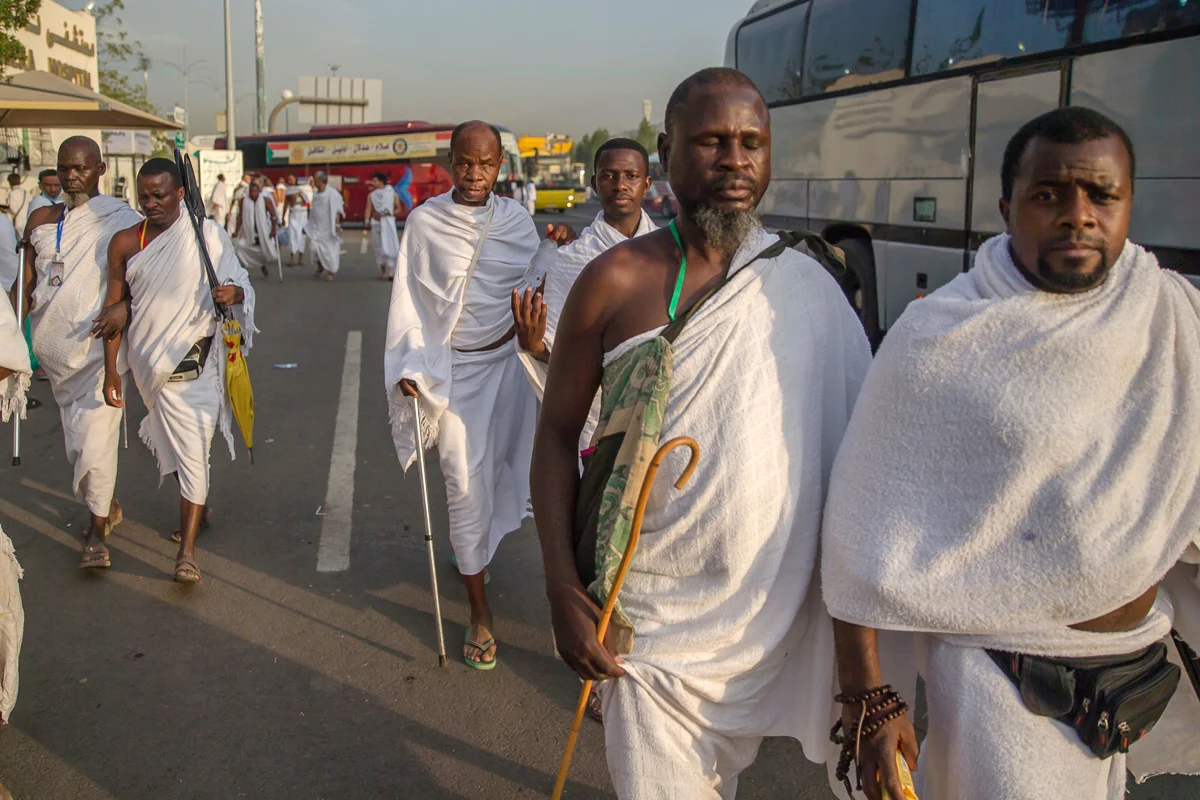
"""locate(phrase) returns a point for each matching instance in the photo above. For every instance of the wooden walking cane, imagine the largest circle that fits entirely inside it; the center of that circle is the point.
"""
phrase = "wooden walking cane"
(626, 559)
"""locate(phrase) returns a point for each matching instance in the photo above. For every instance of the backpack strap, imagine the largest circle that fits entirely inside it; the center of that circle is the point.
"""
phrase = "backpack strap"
(829, 256)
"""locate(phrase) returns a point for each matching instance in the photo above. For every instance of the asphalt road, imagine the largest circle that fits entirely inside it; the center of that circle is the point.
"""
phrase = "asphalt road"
(272, 679)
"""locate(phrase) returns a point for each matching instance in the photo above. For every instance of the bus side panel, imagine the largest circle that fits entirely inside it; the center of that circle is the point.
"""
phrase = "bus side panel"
(909, 263)
(1151, 90)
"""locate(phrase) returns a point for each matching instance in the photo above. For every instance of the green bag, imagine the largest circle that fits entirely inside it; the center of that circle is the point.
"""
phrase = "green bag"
(634, 392)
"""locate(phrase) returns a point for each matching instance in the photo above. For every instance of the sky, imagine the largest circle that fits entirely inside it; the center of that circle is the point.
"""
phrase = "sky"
(533, 66)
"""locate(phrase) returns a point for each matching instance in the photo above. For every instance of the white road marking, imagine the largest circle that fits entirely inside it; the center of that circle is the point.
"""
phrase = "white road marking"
(334, 552)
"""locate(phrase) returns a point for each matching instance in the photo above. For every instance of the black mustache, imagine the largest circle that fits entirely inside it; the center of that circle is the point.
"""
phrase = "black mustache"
(739, 182)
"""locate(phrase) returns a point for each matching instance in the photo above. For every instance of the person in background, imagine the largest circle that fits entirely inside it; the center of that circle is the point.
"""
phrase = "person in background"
(235, 205)
(51, 190)
(281, 201)
(218, 202)
(257, 225)
(383, 206)
(324, 229)
(18, 201)
(530, 197)
(299, 199)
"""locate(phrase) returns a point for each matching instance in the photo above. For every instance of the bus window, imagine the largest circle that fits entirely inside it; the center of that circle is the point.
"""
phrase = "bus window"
(771, 52)
(953, 33)
(854, 42)
(1119, 18)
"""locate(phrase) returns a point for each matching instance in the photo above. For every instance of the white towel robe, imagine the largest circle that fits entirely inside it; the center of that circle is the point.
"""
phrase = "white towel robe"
(172, 309)
(476, 407)
(732, 641)
(14, 356)
(594, 240)
(256, 225)
(384, 239)
(61, 322)
(12, 625)
(322, 231)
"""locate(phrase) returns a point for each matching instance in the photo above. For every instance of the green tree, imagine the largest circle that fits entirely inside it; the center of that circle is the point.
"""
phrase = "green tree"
(646, 136)
(116, 52)
(14, 15)
(585, 148)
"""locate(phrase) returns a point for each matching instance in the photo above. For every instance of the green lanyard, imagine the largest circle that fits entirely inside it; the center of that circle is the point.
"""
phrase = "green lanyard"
(671, 309)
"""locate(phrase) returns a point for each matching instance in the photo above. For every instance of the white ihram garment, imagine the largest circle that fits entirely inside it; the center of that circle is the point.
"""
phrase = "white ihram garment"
(732, 641)
(218, 202)
(384, 239)
(1020, 462)
(256, 247)
(530, 198)
(476, 407)
(61, 321)
(8, 254)
(570, 260)
(14, 356)
(322, 231)
(298, 217)
(172, 309)
(12, 625)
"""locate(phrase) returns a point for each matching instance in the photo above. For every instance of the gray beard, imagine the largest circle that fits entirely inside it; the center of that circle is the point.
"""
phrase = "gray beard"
(75, 199)
(725, 230)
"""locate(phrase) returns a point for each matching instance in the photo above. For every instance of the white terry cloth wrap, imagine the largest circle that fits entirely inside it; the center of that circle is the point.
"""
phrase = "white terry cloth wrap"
(485, 445)
(732, 638)
(256, 224)
(438, 305)
(595, 239)
(14, 356)
(92, 434)
(12, 625)
(8, 254)
(322, 229)
(297, 221)
(1020, 462)
(384, 239)
(172, 308)
(61, 317)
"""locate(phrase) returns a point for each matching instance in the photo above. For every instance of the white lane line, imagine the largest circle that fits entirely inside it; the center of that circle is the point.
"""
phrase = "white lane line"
(334, 552)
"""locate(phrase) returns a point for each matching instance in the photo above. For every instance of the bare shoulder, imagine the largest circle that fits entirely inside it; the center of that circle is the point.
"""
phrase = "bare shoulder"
(124, 243)
(628, 267)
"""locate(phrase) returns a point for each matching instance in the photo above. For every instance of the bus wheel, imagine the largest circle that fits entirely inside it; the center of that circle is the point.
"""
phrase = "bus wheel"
(860, 288)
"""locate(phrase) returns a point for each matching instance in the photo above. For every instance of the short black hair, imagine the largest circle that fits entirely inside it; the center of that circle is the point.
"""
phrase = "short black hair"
(471, 123)
(621, 144)
(14, 178)
(221, 177)
(161, 166)
(1070, 125)
(47, 173)
(380, 175)
(706, 77)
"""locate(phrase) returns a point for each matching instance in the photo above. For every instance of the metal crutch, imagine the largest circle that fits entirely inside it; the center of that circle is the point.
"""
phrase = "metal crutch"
(278, 260)
(437, 603)
(16, 448)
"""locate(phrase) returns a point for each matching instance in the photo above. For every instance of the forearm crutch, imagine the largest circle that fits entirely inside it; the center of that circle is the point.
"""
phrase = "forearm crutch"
(20, 412)
(606, 615)
(437, 603)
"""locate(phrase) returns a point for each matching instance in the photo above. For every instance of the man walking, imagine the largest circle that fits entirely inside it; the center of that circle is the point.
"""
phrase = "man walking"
(383, 206)
(1020, 485)
(257, 226)
(529, 193)
(51, 190)
(218, 202)
(324, 229)
(621, 177)
(158, 264)
(17, 206)
(65, 273)
(732, 641)
(299, 198)
(450, 343)
(235, 205)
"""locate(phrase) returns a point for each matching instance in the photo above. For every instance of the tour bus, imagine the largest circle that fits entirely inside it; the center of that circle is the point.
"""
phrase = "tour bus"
(889, 120)
(415, 156)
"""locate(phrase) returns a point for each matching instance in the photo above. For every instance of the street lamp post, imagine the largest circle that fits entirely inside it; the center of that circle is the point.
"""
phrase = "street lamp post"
(230, 104)
(185, 71)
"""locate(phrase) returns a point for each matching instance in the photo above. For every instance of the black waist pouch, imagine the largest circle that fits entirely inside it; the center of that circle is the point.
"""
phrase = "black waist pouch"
(192, 366)
(1111, 702)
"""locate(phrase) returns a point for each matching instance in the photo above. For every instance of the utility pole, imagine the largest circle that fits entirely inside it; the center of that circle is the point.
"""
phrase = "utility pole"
(144, 66)
(230, 127)
(261, 120)
(185, 70)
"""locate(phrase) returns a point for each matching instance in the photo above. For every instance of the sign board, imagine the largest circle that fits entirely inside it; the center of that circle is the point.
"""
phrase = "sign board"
(61, 41)
(180, 139)
(360, 148)
(211, 163)
(127, 143)
(180, 116)
(221, 122)
(330, 86)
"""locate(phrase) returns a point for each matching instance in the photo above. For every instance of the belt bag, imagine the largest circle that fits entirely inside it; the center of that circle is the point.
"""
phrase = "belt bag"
(192, 366)
(1111, 702)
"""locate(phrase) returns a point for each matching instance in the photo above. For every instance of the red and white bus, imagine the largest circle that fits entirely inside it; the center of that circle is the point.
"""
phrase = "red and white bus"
(414, 155)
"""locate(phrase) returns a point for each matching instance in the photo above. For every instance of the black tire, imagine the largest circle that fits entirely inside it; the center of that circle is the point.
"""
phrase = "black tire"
(860, 288)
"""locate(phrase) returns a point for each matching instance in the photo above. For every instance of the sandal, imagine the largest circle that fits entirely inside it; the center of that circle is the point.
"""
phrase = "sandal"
(95, 556)
(595, 709)
(115, 517)
(186, 571)
(482, 666)
(205, 524)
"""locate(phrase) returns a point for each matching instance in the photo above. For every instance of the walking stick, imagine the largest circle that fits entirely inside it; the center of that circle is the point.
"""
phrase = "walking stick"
(16, 448)
(626, 559)
(278, 260)
(437, 603)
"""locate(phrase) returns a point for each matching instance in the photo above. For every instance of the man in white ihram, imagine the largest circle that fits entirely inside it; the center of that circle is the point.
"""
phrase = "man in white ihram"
(257, 225)
(324, 227)
(51, 193)
(383, 205)
(530, 196)
(299, 198)
(175, 348)
(65, 272)
(1017, 499)
(218, 202)
(451, 342)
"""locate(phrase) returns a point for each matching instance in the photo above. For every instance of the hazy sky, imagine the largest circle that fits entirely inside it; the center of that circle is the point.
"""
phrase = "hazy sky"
(534, 66)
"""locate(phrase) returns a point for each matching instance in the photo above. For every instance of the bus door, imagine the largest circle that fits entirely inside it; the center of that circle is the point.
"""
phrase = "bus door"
(1001, 102)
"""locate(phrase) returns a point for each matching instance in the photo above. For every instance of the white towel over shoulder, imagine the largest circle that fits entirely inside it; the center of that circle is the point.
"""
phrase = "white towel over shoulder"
(14, 356)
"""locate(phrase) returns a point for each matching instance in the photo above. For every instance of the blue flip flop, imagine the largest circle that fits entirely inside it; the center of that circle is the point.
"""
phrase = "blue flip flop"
(487, 579)
(483, 647)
